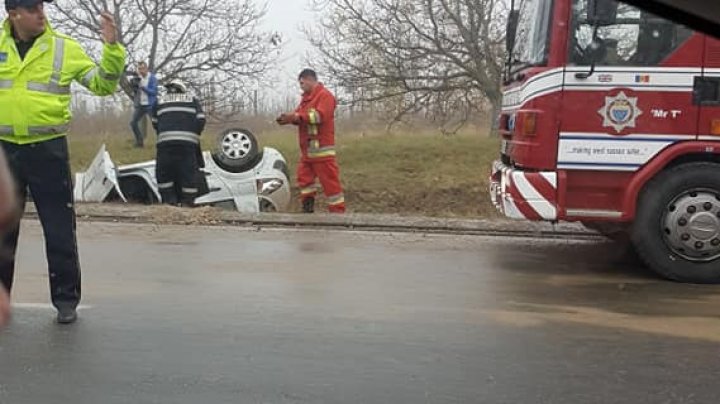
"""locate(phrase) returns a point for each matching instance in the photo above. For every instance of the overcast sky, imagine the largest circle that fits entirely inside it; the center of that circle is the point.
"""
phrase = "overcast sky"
(288, 17)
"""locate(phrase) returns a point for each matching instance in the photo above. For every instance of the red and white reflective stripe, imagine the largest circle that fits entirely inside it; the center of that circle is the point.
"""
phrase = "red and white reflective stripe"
(538, 192)
(527, 195)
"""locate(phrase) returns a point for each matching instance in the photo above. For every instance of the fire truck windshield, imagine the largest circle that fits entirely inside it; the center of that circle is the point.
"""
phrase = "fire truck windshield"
(532, 34)
(637, 38)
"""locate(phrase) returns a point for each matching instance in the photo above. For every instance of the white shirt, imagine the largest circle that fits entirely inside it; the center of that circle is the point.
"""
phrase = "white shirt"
(144, 81)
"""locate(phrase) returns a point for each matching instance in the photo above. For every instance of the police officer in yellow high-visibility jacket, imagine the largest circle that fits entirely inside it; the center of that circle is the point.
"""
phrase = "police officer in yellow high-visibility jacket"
(37, 66)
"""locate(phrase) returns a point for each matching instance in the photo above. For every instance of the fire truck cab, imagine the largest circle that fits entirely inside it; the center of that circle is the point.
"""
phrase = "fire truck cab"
(611, 117)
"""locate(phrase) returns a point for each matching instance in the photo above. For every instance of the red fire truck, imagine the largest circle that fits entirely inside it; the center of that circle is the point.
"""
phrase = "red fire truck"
(611, 117)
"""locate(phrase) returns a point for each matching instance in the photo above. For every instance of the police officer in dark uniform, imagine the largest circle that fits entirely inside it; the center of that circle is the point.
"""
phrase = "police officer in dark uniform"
(179, 120)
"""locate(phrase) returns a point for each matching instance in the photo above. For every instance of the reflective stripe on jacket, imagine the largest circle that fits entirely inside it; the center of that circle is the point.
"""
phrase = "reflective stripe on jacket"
(178, 118)
(316, 125)
(35, 92)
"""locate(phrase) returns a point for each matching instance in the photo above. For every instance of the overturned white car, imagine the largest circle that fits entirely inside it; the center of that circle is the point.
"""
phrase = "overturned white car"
(237, 175)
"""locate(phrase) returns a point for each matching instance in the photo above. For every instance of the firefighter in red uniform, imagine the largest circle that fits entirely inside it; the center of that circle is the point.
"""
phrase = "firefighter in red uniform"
(315, 118)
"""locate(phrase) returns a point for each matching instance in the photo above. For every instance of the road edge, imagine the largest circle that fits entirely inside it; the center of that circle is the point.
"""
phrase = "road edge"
(163, 215)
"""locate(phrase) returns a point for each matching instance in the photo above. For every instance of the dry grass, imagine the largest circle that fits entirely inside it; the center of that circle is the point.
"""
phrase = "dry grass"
(409, 174)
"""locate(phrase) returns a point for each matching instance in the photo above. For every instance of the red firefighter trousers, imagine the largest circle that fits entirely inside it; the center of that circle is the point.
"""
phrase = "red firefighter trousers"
(327, 171)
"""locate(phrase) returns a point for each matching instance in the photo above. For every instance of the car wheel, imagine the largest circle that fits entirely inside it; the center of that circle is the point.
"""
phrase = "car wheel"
(236, 150)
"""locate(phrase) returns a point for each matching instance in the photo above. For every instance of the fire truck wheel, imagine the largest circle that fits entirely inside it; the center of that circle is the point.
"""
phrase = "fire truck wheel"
(677, 225)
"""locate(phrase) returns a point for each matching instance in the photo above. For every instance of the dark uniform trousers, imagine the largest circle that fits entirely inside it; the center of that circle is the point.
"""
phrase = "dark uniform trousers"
(43, 168)
(177, 172)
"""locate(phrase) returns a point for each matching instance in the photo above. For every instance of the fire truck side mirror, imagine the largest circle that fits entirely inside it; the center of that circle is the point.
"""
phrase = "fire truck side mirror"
(595, 53)
(602, 12)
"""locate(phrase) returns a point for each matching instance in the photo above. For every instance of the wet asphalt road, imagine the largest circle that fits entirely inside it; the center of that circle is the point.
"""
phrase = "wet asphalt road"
(223, 315)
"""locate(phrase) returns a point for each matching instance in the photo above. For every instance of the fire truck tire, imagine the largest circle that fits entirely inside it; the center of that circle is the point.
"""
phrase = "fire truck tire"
(677, 227)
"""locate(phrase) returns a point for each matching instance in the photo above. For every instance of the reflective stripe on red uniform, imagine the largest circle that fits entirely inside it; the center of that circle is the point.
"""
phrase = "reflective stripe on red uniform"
(328, 173)
(316, 124)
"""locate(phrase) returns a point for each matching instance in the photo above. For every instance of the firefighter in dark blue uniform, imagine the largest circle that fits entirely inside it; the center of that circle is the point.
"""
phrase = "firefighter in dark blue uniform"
(179, 120)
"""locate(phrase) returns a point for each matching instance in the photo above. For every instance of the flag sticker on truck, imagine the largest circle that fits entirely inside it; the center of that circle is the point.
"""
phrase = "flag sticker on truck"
(620, 112)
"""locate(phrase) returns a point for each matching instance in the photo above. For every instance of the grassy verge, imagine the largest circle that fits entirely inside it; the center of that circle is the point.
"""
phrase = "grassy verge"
(404, 174)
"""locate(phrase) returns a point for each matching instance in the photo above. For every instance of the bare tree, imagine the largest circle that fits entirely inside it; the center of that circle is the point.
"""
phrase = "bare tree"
(440, 58)
(214, 45)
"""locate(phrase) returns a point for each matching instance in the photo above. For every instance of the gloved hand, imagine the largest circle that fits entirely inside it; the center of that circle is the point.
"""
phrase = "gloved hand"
(287, 118)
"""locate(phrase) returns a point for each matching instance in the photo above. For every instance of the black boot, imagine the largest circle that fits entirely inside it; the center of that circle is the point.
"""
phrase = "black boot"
(308, 205)
(66, 315)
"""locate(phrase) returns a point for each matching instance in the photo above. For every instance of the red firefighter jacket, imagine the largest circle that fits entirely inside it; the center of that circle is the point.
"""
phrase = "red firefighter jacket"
(316, 124)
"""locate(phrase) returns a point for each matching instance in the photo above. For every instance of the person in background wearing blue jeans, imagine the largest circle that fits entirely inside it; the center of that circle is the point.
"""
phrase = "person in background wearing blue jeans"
(145, 99)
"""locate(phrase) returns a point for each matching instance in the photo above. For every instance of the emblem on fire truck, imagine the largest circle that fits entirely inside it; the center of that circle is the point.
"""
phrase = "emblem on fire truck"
(620, 112)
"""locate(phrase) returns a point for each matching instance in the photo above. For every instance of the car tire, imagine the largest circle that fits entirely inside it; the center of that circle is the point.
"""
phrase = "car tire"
(236, 150)
(677, 226)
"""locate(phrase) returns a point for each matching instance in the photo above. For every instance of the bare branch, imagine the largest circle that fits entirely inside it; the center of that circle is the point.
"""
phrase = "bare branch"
(442, 58)
(217, 46)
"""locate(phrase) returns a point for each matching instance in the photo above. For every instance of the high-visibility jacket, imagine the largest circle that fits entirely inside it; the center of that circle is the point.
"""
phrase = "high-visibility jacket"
(35, 92)
(316, 124)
